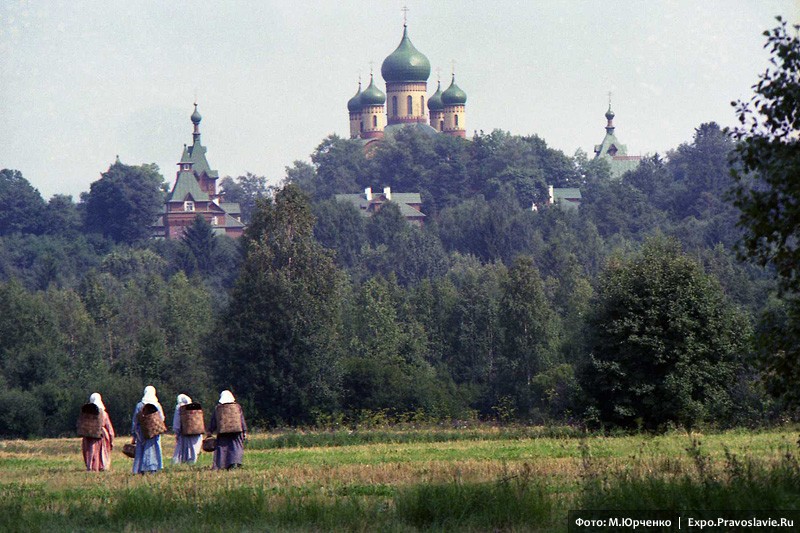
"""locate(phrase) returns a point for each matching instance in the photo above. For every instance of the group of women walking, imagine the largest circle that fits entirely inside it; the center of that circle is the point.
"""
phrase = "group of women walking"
(147, 458)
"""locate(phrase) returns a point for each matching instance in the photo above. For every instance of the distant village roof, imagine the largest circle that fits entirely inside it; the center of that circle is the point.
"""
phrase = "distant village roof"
(368, 202)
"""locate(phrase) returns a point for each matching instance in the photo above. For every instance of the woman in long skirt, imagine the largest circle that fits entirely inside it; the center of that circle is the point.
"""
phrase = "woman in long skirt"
(230, 446)
(147, 457)
(187, 447)
(97, 452)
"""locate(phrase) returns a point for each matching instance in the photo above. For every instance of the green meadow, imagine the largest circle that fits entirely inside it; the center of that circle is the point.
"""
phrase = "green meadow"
(480, 479)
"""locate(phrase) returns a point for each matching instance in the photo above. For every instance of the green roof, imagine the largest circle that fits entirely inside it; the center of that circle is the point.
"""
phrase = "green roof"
(372, 95)
(406, 63)
(566, 193)
(186, 186)
(231, 208)
(354, 104)
(454, 95)
(402, 199)
(435, 101)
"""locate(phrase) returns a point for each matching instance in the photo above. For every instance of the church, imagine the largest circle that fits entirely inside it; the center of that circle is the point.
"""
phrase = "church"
(375, 114)
(613, 151)
(195, 194)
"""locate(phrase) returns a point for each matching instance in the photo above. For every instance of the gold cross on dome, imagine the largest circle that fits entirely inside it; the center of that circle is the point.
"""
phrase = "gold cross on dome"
(405, 11)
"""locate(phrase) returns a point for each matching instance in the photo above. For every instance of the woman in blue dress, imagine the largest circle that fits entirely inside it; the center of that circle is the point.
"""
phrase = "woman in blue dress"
(147, 457)
(187, 447)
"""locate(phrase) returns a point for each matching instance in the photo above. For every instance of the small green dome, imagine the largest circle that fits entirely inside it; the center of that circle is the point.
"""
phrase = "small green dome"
(609, 114)
(196, 118)
(435, 101)
(354, 104)
(372, 95)
(406, 63)
(454, 95)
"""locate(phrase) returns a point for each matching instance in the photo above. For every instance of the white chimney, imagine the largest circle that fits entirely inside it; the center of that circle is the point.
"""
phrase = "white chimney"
(368, 193)
(387, 192)
(550, 193)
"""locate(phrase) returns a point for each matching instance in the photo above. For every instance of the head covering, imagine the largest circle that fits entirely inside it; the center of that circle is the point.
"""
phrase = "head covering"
(150, 395)
(226, 397)
(182, 400)
(96, 399)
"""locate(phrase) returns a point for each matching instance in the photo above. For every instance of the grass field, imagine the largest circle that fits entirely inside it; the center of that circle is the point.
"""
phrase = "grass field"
(484, 479)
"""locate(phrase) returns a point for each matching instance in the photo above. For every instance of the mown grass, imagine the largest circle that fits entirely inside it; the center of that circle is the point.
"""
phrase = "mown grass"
(394, 482)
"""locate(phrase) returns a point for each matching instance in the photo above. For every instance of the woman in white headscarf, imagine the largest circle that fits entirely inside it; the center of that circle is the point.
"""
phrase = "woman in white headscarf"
(230, 446)
(97, 452)
(147, 457)
(187, 447)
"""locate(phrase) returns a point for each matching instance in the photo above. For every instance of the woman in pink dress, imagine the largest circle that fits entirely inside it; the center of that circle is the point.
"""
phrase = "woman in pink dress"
(97, 452)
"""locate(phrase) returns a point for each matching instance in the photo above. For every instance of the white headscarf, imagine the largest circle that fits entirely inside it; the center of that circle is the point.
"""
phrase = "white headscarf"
(226, 397)
(182, 400)
(96, 399)
(150, 395)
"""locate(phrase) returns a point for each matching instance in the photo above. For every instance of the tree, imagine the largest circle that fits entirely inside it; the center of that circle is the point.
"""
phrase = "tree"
(530, 333)
(245, 191)
(23, 206)
(768, 149)
(124, 203)
(665, 343)
(201, 241)
(279, 347)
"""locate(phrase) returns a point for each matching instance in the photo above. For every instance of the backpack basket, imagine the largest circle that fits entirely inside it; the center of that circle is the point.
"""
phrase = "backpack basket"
(90, 421)
(209, 444)
(229, 418)
(150, 421)
(192, 419)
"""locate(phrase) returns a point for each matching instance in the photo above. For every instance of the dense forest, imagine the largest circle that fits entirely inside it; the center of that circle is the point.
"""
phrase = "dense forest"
(635, 310)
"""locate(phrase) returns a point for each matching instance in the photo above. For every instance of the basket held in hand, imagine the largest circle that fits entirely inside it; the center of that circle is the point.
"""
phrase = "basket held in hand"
(129, 450)
(209, 444)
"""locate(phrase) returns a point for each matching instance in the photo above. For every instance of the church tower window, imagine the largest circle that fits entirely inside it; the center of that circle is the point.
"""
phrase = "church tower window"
(410, 102)
(394, 106)
(374, 121)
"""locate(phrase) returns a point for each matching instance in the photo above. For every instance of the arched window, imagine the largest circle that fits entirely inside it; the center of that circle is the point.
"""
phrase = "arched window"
(421, 105)
(456, 120)
(374, 121)
(441, 125)
(394, 106)
(361, 126)
(409, 101)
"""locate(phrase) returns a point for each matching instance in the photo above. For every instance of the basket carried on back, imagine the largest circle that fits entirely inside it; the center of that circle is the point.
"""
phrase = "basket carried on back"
(209, 444)
(229, 418)
(150, 421)
(192, 419)
(129, 450)
(90, 421)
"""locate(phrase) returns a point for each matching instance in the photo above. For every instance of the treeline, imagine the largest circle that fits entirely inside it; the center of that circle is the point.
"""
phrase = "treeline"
(632, 311)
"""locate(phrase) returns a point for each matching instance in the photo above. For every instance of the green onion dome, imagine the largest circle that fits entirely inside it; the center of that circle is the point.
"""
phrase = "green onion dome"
(609, 113)
(454, 95)
(435, 101)
(406, 63)
(196, 118)
(372, 95)
(354, 104)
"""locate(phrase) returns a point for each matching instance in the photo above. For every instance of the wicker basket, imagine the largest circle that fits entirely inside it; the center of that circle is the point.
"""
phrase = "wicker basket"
(192, 419)
(229, 418)
(129, 450)
(90, 421)
(151, 422)
(209, 444)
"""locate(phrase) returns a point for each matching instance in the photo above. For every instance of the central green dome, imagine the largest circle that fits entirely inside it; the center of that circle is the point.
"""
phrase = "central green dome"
(406, 63)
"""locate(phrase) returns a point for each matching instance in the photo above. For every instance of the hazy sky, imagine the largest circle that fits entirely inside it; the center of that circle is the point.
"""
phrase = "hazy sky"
(81, 82)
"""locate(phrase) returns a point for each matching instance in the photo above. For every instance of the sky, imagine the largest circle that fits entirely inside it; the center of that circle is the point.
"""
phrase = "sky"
(82, 82)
